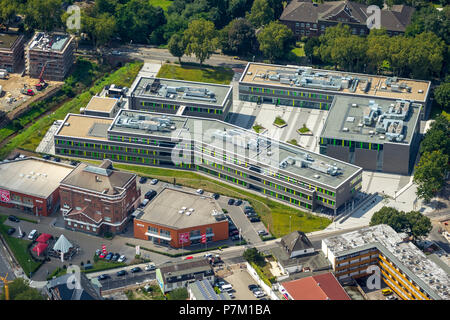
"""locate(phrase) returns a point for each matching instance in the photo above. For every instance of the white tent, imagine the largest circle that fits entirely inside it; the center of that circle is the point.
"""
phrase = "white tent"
(62, 245)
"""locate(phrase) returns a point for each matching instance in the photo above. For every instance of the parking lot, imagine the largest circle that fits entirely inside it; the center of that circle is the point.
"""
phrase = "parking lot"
(240, 280)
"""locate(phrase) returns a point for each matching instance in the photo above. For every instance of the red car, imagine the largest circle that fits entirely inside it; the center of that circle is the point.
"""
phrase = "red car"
(103, 255)
(190, 257)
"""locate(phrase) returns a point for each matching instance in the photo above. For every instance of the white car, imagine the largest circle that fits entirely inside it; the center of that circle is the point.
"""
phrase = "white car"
(208, 255)
(150, 267)
(259, 294)
(122, 258)
(200, 191)
(231, 295)
(154, 181)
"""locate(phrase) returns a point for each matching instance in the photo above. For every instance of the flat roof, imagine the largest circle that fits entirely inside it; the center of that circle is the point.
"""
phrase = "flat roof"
(165, 209)
(86, 127)
(32, 176)
(233, 139)
(318, 287)
(346, 120)
(103, 104)
(334, 82)
(182, 91)
(45, 41)
(7, 40)
(405, 255)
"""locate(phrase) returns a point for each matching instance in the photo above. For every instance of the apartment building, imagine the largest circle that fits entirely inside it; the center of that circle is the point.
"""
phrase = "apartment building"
(54, 51)
(276, 169)
(306, 18)
(179, 218)
(98, 199)
(403, 267)
(11, 51)
(181, 97)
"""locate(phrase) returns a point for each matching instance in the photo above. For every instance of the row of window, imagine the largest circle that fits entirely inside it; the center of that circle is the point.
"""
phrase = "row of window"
(289, 93)
(174, 107)
(351, 144)
(287, 199)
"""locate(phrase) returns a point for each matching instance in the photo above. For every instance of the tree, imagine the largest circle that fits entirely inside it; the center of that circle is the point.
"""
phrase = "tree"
(253, 255)
(310, 44)
(43, 15)
(238, 37)
(178, 294)
(100, 29)
(8, 10)
(437, 137)
(377, 50)
(261, 13)
(19, 289)
(327, 42)
(238, 8)
(442, 95)
(275, 40)
(418, 225)
(177, 46)
(201, 39)
(426, 57)
(432, 20)
(430, 174)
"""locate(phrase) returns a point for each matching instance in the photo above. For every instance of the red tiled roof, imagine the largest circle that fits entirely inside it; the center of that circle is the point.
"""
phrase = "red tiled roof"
(320, 287)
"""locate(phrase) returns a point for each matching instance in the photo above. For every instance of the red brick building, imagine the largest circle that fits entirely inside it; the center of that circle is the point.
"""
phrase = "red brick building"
(98, 199)
(32, 185)
(174, 215)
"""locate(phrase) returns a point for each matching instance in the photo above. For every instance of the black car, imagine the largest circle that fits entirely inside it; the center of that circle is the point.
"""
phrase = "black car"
(115, 257)
(252, 287)
(121, 273)
(251, 214)
(255, 219)
(143, 180)
(150, 194)
(57, 160)
(238, 203)
(46, 157)
(73, 163)
(249, 208)
(216, 196)
(247, 211)
(136, 269)
(11, 231)
(103, 277)
(230, 202)
(13, 219)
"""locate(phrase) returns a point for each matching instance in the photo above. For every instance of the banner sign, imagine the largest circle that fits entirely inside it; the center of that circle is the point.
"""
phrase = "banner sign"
(204, 238)
(4, 195)
(184, 237)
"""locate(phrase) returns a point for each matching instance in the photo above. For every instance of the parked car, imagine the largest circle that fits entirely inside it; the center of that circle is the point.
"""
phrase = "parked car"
(200, 191)
(216, 196)
(73, 163)
(235, 237)
(252, 287)
(258, 294)
(247, 211)
(255, 219)
(230, 202)
(150, 267)
(121, 273)
(249, 208)
(57, 159)
(46, 157)
(122, 258)
(251, 214)
(144, 203)
(233, 232)
(115, 257)
(207, 255)
(386, 292)
(13, 218)
(262, 232)
(391, 297)
(150, 194)
(136, 269)
(32, 235)
(11, 231)
(109, 256)
(103, 277)
(143, 180)
(97, 252)
(23, 234)
(231, 295)
(102, 255)
(238, 202)
(154, 181)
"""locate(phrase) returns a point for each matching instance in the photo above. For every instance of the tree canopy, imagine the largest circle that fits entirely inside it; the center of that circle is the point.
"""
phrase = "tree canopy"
(253, 255)
(19, 289)
(201, 39)
(429, 174)
(238, 37)
(275, 40)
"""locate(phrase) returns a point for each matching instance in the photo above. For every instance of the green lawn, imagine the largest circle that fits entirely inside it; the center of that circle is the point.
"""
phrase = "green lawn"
(207, 74)
(19, 247)
(299, 51)
(164, 4)
(275, 215)
(30, 138)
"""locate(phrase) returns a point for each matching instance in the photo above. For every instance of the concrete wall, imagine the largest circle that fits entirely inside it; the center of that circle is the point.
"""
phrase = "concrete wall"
(396, 158)
(366, 159)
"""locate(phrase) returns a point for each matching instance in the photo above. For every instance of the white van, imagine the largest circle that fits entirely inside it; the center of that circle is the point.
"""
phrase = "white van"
(227, 287)
(32, 234)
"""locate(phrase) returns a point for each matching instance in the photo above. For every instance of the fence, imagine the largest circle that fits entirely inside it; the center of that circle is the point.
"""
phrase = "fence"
(268, 290)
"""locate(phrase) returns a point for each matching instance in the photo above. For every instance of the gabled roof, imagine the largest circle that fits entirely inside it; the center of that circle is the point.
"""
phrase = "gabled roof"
(294, 241)
(320, 287)
(62, 244)
(85, 291)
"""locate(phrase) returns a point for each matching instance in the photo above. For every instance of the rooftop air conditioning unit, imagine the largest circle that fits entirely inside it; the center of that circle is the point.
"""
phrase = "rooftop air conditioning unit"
(420, 91)
(345, 129)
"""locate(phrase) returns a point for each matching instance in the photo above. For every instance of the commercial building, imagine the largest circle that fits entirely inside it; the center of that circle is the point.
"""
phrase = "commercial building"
(32, 185)
(276, 169)
(11, 51)
(373, 121)
(374, 134)
(54, 51)
(402, 266)
(318, 287)
(203, 290)
(306, 18)
(99, 199)
(181, 97)
(103, 107)
(180, 218)
(180, 274)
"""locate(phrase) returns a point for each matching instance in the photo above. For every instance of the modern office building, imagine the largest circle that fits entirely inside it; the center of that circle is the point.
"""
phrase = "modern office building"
(11, 51)
(181, 97)
(402, 266)
(179, 218)
(315, 88)
(174, 275)
(307, 18)
(54, 51)
(377, 135)
(276, 169)
(103, 107)
(98, 199)
(32, 185)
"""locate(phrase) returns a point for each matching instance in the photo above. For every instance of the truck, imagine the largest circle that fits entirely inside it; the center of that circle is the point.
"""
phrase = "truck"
(3, 74)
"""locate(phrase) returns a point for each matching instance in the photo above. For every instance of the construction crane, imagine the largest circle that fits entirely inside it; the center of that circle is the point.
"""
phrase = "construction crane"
(42, 84)
(5, 286)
